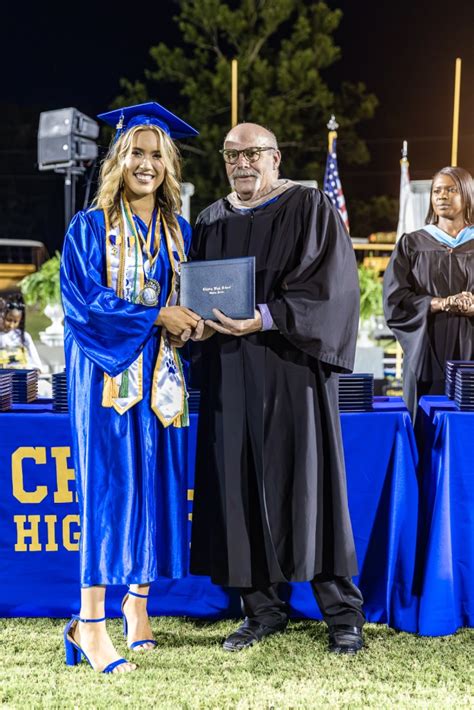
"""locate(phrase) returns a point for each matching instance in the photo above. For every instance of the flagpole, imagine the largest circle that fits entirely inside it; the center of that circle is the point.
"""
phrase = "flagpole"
(404, 182)
(398, 348)
(234, 113)
(405, 151)
(332, 126)
(457, 97)
(404, 159)
(332, 182)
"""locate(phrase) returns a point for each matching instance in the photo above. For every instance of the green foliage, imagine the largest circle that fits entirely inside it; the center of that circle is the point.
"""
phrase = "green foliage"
(283, 48)
(377, 214)
(42, 287)
(371, 301)
(35, 321)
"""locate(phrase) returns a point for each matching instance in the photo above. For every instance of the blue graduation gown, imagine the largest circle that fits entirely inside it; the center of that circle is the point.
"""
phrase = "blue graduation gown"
(130, 472)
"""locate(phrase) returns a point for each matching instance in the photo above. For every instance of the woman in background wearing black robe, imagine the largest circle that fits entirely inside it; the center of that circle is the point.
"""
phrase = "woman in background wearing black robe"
(429, 285)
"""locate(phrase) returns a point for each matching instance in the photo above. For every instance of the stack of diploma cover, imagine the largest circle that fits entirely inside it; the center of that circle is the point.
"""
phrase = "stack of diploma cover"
(452, 366)
(356, 392)
(464, 389)
(6, 390)
(25, 385)
(226, 284)
(60, 392)
(193, 400)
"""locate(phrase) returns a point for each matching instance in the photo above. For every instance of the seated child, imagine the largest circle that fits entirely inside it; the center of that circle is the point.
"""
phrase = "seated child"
(17, 349)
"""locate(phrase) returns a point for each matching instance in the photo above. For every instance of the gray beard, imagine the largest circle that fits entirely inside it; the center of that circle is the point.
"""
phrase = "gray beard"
(258, 182)
(278, 188)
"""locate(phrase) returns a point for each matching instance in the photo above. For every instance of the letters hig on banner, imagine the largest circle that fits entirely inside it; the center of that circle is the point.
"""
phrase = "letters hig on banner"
(41, 479)
(39, 520)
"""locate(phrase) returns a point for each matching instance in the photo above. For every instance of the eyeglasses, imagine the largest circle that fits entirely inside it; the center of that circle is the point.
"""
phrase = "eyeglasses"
(231, 156)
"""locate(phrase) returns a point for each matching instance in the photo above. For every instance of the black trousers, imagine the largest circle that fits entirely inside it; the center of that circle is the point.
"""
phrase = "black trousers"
(339, 600)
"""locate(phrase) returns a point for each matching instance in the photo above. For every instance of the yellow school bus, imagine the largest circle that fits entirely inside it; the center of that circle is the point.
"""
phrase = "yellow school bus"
(19, 258)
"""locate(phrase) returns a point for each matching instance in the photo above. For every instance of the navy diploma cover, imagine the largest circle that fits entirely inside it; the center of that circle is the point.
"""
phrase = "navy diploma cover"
(226, 284)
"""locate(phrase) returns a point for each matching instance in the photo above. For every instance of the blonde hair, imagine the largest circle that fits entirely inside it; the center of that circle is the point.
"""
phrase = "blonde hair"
(168, 195)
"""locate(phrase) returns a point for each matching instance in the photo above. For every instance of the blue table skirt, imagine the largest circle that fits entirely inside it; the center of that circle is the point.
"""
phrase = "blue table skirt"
(37, 495)
(447, 516)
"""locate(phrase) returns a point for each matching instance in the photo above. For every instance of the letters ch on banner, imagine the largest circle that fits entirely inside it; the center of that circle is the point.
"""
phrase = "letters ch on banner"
(38, 532)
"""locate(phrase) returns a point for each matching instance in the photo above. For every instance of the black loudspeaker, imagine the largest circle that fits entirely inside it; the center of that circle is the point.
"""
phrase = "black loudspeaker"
(66, 139)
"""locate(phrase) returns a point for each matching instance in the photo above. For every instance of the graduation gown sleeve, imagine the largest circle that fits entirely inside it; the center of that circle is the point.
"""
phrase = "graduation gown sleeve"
(109, 330)
(407, 307)
(318, 307)
(186, 231)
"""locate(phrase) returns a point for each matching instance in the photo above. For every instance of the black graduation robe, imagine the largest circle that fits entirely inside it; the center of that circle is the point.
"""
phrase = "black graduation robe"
(420, 268)
(270, 499)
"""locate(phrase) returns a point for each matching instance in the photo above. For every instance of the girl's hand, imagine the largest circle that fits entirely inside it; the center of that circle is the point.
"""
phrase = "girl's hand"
(177, 319)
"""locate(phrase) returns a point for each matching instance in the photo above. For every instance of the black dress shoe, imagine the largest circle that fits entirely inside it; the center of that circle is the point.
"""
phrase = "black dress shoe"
(248, 633)
(345, 639)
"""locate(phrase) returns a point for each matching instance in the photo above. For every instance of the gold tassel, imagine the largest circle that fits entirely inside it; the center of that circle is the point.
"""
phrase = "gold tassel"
(110, 391)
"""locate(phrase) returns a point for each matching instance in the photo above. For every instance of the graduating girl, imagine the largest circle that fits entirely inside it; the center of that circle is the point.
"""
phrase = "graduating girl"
(127, 394)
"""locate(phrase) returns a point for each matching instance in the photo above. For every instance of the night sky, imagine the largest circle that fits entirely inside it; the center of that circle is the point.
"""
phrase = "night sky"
(403, 51)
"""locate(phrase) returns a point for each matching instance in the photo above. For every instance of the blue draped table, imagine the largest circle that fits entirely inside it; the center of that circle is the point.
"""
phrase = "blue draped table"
(446, 438)
(39, 525)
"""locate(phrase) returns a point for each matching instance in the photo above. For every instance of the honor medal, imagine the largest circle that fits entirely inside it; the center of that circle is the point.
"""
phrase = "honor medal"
(149, 294)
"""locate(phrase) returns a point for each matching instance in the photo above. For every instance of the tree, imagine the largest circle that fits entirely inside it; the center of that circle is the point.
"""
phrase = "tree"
(283, 48)
(377, 214)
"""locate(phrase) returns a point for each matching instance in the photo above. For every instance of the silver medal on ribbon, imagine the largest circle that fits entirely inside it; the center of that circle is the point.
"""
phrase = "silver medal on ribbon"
(150, 293)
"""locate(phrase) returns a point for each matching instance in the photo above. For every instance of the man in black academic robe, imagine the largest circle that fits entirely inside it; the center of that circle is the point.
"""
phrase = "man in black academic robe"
(270, 500)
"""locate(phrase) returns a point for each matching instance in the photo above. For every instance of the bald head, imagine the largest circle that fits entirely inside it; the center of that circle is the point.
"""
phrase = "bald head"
(252, 174)
(251, 134)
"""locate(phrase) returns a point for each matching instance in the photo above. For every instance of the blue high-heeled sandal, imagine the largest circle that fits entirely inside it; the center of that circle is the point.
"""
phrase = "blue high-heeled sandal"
(135, 644)
(74, 652)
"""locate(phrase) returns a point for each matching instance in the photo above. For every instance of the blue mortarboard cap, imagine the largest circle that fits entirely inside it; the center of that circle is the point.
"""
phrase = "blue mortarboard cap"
(148, 114)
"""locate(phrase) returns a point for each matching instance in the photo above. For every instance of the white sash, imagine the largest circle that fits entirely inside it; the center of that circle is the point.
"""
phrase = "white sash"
(125, 275)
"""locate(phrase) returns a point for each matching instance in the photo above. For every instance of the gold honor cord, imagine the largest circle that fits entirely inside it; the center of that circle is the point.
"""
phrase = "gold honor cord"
(123, 259)
(165, 391)
(111, 388)
(153, 233)
(125, 275)
(149, 294)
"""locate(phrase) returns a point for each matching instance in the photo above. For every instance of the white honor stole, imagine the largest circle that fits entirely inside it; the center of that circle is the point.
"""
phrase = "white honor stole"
(126, 276)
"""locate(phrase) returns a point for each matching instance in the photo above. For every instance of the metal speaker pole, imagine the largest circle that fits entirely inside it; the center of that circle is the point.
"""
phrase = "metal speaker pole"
(66, 145)
(67, 197)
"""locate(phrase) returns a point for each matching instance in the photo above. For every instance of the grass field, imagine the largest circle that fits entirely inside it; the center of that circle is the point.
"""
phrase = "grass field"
(189, 670)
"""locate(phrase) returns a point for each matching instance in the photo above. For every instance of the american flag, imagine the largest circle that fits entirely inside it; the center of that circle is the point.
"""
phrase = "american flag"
(332, 183)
